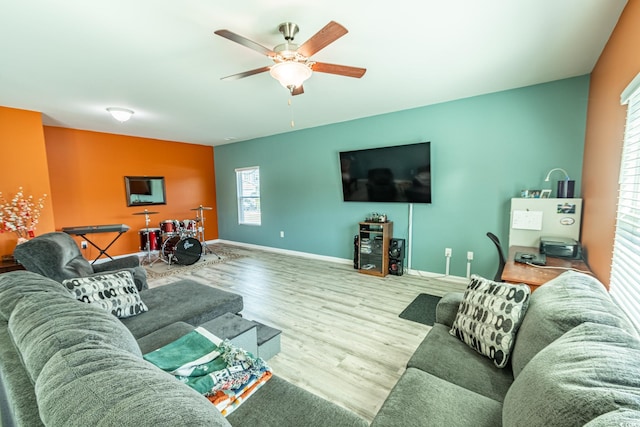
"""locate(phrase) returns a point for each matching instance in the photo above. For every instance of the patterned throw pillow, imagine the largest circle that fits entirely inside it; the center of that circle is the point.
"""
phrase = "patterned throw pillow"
(489, 317)
(114, 292)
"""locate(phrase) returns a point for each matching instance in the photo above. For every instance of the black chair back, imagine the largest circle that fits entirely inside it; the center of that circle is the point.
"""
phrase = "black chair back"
(501, 257)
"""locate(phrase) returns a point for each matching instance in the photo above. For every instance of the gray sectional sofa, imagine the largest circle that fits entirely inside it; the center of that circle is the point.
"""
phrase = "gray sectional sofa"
(576, 361)
(67, 363)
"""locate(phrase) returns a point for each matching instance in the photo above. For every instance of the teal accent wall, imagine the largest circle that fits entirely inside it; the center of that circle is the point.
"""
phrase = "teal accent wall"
(484, 151)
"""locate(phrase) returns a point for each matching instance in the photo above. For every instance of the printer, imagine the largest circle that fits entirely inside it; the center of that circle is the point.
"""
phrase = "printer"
(561, 247)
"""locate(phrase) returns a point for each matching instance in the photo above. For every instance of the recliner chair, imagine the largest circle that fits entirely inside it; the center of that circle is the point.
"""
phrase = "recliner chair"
(57, 256)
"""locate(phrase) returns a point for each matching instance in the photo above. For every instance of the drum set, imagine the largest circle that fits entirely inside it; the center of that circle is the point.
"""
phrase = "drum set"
(174, 241)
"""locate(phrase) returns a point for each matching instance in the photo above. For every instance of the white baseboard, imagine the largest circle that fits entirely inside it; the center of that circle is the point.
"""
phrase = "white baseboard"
(427, 274)
(289, 252)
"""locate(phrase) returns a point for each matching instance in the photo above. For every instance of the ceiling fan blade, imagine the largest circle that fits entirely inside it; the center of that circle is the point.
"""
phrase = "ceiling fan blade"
(245, 42)
(342, 70)
(246, 74)
(297, 91)
(330, 33)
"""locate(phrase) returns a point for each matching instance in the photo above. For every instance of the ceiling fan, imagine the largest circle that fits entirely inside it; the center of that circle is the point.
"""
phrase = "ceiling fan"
(292, 63)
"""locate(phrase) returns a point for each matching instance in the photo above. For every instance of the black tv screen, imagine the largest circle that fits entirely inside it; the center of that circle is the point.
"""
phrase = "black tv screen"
(400, 173)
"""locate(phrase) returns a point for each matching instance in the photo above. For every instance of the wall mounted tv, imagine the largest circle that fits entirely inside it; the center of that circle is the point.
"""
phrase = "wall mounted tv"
(400, 173)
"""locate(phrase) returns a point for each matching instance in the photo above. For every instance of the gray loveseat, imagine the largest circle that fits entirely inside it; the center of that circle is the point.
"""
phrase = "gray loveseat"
(576, 361)
(67, 363)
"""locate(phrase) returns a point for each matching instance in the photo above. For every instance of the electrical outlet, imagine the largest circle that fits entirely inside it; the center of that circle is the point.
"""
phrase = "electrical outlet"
(83, 244)
(282, 234)
(469, 256)
(447, 251)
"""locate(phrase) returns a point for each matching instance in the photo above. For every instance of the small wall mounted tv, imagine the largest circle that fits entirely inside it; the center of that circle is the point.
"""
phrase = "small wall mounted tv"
(400, 174)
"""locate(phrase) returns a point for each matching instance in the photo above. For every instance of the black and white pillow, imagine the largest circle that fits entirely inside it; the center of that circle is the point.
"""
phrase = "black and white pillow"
(114, 292)
(489, 317)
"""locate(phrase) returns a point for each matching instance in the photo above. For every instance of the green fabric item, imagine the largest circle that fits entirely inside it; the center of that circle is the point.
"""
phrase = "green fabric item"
(96, 384)
(281, 404)
(206, 363)
(163, 336)
(42, 325)
(591, 370)
(558, 306)
(422, 400)
(446, 357)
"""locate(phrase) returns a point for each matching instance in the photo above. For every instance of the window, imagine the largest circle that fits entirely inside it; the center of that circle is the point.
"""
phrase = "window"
(248, 183)
(625, 268)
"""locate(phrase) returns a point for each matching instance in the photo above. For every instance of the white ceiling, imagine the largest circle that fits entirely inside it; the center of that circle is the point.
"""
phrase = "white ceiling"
(70, 59)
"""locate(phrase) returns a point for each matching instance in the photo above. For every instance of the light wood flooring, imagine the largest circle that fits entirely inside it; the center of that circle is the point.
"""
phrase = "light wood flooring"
(341, 337)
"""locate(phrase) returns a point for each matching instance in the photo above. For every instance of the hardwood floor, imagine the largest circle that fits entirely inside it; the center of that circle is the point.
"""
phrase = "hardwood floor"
(341, 337)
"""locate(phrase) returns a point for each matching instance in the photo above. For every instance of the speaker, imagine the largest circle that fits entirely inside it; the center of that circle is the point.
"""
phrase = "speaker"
(396, 248)
(396, 267)
(356, 251)
(396, 257)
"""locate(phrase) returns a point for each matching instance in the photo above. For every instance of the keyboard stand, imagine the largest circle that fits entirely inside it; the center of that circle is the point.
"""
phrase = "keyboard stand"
(83, 231)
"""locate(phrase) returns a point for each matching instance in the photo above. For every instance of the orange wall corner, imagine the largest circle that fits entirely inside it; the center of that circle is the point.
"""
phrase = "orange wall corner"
(24, 164)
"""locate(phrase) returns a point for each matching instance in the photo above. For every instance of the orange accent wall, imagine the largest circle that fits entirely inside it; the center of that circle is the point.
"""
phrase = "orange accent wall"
(24, 164)
(618, 64)
(87, 171)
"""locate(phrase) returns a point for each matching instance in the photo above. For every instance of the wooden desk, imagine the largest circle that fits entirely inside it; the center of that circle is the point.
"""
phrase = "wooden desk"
(534, 276)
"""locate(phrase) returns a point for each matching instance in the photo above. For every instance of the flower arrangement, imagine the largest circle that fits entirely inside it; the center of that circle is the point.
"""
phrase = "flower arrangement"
(20, 215)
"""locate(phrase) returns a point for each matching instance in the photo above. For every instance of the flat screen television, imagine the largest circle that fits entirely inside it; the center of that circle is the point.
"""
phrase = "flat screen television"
(400, 173)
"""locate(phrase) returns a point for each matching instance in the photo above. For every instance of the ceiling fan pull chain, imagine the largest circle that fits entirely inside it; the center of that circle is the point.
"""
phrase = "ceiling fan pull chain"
(291, 106)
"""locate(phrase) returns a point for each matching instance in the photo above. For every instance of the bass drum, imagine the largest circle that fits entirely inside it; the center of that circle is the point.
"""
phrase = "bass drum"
(183, 251)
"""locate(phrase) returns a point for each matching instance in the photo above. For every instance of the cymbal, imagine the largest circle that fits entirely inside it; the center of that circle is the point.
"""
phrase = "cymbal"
(204, 208)
(145, 213)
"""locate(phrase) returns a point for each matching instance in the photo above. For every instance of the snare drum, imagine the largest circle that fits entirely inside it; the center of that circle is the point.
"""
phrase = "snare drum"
(182, 250)
(151, 235)
(170, 226)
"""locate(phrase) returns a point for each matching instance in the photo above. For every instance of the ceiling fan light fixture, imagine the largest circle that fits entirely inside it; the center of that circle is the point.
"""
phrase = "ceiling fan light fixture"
(120, 114)
(290, 73)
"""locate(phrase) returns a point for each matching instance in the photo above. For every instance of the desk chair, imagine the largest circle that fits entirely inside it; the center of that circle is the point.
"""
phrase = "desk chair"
(501, 257)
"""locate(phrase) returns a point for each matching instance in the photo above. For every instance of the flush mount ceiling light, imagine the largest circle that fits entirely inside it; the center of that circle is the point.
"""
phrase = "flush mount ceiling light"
(120, 114)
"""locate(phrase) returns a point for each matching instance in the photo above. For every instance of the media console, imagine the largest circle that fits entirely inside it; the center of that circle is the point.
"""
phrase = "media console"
(373, 247)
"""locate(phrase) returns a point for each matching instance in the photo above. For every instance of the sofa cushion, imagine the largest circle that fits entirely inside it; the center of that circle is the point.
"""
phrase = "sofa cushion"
(420, 399)
(447, 308)
(591, 370)
(193, 303)
(279, 403)
(115, 388)
(620, 418)
(558, 306)
(17, 285)
(16, 389)
(42, 325)
(446, 357)
(114, 292)
(489, 317)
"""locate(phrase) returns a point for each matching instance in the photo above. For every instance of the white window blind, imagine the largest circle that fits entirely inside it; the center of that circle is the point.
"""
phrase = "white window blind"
(248, 187)
(625, 268)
